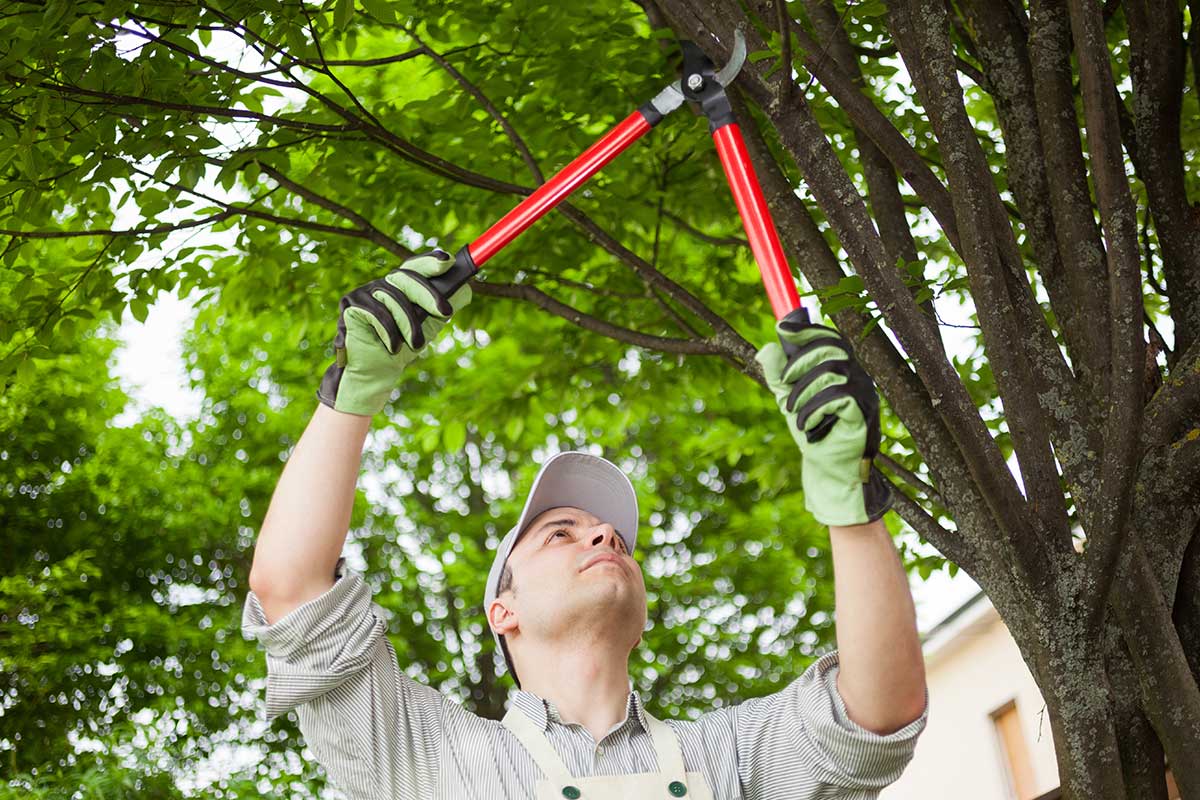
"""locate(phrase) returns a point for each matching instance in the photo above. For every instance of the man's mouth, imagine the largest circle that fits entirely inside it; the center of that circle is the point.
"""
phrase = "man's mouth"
(602, 560)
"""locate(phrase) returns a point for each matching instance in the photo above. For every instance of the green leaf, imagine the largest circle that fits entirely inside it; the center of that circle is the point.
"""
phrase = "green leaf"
(380, 9)
(83, 24)
(454, 436)
(343, 12)
(54, 12)
(140, 308)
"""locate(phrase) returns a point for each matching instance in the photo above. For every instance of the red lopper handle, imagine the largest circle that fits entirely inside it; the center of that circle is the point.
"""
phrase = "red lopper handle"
(756, 218)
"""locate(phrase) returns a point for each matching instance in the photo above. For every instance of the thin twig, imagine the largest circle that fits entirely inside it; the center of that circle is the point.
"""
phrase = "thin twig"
(910, 477)
(785, 50)
(587, 287)
(519, 143)
(374, 234)
(58, 306)
(329, 73)
(547, 303)
(723, 241)
(128, 232)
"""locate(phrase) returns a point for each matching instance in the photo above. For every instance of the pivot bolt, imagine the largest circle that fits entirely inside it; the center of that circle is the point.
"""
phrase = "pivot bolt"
(694, 82)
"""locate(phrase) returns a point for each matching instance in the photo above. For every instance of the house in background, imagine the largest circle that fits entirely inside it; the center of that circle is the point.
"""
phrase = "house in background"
(988, 736)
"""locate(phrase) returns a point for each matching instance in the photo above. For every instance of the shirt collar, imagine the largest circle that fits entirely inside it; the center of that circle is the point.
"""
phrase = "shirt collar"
(542, 711)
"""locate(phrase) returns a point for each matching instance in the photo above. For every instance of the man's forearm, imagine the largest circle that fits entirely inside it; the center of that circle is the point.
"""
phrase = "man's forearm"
(882, 670)
(306, 524)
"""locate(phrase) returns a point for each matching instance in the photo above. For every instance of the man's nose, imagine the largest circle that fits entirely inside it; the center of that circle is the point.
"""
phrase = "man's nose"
(605, 534)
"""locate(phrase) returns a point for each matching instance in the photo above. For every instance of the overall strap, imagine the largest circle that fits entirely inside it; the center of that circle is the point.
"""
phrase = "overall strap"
(538, 747)
(666, 750)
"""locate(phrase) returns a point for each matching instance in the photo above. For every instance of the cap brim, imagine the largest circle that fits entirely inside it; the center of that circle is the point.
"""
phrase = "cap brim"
(586, 482)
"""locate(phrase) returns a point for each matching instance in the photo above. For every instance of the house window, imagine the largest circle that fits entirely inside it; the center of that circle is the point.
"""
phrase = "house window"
(1172, 789)
(1015, 752)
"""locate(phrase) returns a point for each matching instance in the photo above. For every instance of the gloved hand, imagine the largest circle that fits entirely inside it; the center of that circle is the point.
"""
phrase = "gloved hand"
(832, 410)
(378, 334)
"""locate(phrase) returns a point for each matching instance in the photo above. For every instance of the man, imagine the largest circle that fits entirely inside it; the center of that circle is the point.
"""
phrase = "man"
(566, 602)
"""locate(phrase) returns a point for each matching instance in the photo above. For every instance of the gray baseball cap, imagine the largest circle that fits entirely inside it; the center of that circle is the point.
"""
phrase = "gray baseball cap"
(573, 479)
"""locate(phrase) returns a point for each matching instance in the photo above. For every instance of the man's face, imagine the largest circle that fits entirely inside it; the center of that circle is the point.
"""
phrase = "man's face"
(573, 581)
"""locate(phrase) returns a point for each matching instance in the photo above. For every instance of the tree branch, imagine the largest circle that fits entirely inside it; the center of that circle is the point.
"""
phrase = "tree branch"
(1080, 247)
(178, 226)
(1119, 221)
(1001, 46)
(547, 303)
(1018, 342)
(1177, 404)
(887, 205)
(493, 112)
(948, 542)
(372, 233)
(587, 287)
(910, 478)
(1157, 60)
(246, 211)
(696, 233)
(376, 131)
(730, 339)
(871, 121)
(55, 312)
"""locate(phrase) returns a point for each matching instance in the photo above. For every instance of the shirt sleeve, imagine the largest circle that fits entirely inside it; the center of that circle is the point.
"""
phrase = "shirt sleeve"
(800, 742)
(376, 731)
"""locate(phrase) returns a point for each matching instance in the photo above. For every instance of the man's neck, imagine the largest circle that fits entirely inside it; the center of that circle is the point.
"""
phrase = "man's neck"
(586, 685)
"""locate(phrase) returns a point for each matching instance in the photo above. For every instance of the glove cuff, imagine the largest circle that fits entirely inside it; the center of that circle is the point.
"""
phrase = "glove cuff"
(877, 495)
(365, 404)
(845, 505)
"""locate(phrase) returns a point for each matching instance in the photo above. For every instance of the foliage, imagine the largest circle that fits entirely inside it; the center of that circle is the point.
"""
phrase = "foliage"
(160, 516)
(268, 156)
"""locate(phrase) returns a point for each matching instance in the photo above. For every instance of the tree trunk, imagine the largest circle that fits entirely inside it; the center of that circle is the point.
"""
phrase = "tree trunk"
(1075, 687)
(1141, 752)
(1169, 693)
(1186, 612)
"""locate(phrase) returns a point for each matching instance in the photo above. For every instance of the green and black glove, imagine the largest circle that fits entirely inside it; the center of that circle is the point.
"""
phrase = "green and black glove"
(381, 327)
(832, 410)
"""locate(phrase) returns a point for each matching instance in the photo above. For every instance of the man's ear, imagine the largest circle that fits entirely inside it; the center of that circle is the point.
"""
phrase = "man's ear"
(502, 618)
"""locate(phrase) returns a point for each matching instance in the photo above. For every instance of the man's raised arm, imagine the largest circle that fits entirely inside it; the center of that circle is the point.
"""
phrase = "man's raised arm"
(832, 410)
(381, 327)
(309, 516)
(882, 674)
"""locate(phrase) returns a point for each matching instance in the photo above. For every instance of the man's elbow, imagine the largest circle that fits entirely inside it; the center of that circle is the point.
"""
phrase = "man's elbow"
(907, 711)
(885, 716)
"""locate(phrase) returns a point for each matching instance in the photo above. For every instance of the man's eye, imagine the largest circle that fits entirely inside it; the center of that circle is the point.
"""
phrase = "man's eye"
(556, 533)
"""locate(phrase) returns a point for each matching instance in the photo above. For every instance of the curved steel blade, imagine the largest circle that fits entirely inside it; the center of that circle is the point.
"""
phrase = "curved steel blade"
(736, 59)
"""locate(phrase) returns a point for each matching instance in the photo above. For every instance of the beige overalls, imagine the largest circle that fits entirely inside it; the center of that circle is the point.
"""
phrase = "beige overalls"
(671, 781)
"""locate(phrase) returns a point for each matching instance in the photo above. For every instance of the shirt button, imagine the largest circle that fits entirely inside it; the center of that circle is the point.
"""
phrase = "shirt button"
(599, 751)
(677, 789)
(570, 792)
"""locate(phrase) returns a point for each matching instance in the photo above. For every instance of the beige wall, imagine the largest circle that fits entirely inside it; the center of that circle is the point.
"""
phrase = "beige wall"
(973, 668)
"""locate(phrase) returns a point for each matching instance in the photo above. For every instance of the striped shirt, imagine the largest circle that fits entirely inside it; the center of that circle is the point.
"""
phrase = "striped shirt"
(381, 735)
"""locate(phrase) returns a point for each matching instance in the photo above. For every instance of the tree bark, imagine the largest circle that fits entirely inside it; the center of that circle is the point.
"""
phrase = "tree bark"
(1073, 680)
(1170, 695)
(1141, 752)
(1186, 613)
(1157, 68)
